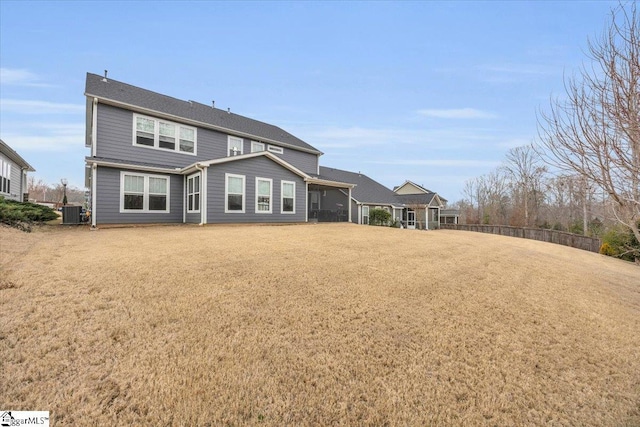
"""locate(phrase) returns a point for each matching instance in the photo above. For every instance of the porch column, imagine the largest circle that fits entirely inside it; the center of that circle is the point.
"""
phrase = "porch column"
(349, 204)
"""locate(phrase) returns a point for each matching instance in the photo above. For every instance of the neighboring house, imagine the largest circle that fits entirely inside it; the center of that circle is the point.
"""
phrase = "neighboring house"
(409, 203)
(423, 206)
(13, 174)
(157, 159)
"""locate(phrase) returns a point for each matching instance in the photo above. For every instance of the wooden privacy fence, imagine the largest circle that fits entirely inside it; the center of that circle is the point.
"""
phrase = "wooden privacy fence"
(552, 236)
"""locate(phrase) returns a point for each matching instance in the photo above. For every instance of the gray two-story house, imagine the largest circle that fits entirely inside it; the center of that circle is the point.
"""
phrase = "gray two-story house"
(158, 159)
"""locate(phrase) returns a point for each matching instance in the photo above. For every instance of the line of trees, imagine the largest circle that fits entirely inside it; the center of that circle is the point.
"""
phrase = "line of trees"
(583, 175)
(41, 191)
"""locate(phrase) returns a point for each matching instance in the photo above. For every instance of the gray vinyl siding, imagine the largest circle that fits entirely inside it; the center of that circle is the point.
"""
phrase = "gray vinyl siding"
(306, 162)
(115, 141)
(107, 210)
(251, 168)
(17, 187)
(354, 212)
(193, 218)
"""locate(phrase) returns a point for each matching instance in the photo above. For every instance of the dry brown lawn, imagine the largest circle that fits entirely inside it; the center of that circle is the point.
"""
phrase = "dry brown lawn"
(315, 325)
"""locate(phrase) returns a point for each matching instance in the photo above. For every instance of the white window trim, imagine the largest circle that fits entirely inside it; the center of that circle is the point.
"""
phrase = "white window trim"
(282, 211)
(365, 216)
(275, 149)
(145, 208)
(270, 181)
(156, 135)
(234, 138)
(199, 193)
(256, 143)
(226, 192)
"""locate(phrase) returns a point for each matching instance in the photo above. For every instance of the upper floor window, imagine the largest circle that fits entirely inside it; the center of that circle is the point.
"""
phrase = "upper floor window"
(257, 146)
(234, 146)
(275, 149)
(164, 135)
(143, 193)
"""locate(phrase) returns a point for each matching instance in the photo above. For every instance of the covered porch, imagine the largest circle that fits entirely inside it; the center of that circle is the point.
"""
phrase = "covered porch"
(328, 201)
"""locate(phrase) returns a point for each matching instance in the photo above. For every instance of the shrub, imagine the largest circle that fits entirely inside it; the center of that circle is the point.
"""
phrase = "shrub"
(379, 217)
(21, 215)
(620, 243)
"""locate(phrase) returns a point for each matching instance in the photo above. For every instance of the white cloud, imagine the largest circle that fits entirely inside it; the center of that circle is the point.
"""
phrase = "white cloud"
(21, 106)
(47, 137)
(20, 77)
(457, 113)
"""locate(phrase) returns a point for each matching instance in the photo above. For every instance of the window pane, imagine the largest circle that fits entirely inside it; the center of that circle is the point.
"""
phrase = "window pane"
(196, 180)
(186, 146)
(133, 184)
(235, 146)
(287, 204)
(196, 202)
(287, 190)
(167, 142)
(157, 203)
(143, 138)
(190, 203)
(167, 129)
(158, 185)
(235, 185)
(145, 125)
(190, 185)
(234, 202)
(263, 203)
(264, 188)
(257, 146)
(187, 134)
(133, 201)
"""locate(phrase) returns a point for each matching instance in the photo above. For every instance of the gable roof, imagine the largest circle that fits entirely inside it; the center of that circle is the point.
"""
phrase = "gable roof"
(366, 190)
(14, 156)
(125, 95)
(420, 188)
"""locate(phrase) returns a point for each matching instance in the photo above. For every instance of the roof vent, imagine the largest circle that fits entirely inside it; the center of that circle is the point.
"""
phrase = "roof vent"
(104, 79)
(213, 104)
(228, 110)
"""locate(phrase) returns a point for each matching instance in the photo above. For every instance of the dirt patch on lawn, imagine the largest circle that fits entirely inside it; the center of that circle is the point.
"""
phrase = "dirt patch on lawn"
(315, 325)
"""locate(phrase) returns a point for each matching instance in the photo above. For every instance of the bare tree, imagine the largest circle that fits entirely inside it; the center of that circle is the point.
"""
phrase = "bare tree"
(595, 132)
(526, 172)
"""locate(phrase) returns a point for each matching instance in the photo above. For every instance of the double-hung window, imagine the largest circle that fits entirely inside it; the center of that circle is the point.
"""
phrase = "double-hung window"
(234, 146)
(234, 193)
(193, 193)
(263, 195)
(143, 193)
(288, 197)
(365, 214)
(164, 135)
(5, 177)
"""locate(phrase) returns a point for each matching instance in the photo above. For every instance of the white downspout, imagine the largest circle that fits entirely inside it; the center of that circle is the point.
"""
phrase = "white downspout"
(94, 128)
(94, 178)
(349, 203)
(203, 194)
(306, 202)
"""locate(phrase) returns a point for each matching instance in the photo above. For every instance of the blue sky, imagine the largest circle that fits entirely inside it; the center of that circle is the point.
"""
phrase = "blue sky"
(432, 92)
